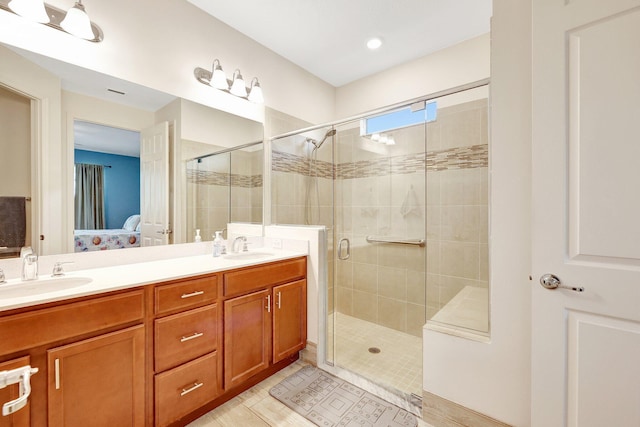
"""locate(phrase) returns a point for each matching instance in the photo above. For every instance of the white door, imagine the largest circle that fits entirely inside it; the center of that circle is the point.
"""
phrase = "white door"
(154, 185)
(586, 212)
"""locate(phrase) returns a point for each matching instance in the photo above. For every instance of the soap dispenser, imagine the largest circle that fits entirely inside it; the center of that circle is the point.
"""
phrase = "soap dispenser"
(198, 238)
(218, 244)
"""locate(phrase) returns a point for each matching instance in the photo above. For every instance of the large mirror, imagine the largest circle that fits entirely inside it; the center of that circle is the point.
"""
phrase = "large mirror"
(104, 123)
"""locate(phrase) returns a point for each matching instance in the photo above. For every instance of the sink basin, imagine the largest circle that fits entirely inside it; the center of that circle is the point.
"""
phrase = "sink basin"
(248, 255)
(42, 286)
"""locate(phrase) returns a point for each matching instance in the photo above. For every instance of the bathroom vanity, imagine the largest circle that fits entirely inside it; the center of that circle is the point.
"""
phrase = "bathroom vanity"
(155, 351)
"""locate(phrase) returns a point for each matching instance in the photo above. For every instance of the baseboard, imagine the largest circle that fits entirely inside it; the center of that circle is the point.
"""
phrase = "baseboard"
(440, 412)
(309, 354)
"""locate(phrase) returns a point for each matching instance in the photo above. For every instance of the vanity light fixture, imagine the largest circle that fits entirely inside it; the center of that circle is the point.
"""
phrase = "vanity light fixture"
(255, 92)
(237, 85)
(219, 78)
(216, 78)
(33, 10)
(75, 21)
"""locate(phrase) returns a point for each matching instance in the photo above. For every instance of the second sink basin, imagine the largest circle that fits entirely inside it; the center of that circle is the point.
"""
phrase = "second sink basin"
(248, 255)
(42, 286)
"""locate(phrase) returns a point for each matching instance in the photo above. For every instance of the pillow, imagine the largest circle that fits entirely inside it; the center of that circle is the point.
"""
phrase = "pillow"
(138, 227)
(131, 223)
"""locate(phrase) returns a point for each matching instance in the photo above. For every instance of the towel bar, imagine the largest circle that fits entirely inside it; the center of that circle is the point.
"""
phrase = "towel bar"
(414, 242)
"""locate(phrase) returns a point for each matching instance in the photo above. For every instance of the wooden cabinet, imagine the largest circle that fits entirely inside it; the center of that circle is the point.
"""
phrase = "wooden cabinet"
(98, 381)
(289, 319)
(90, 354)
(247, 336)
(212, 336)
(186, 362)
(20, 418)
(268, 323)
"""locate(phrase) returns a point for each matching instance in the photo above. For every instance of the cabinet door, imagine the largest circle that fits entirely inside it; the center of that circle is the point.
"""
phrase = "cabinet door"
(247, 334)
(289, 319)
(98, 381)
(19, 418)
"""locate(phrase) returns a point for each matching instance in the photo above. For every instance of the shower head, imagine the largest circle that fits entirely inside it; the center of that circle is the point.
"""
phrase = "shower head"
(317, 144)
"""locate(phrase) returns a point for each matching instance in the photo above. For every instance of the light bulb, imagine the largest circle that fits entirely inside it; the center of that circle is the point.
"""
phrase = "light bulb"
(77, 22)
(32, 10)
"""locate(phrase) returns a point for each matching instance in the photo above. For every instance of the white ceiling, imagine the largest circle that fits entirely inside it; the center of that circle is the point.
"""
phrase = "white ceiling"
(106, 139)
(328, 37)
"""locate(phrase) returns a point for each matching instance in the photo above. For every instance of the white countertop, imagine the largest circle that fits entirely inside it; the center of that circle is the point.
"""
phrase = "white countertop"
(133, 275)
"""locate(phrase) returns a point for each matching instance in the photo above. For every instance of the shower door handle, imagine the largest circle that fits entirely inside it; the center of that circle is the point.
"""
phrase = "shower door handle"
(340, 246)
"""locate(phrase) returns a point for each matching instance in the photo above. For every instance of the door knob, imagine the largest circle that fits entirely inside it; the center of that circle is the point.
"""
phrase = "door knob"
(551, 281)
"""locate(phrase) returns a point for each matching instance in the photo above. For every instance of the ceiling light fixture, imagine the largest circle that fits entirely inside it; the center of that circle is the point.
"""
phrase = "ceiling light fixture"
(75, 21)
(216, 78)
(374, 43)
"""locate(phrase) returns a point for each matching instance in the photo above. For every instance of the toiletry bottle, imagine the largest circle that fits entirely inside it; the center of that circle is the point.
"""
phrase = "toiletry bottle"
(198, 238)
(218, 243)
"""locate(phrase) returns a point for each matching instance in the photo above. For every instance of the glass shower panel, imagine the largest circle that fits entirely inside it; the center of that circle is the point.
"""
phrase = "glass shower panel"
(379, 255)
(208, 194)
(246, 184)
(458, 213)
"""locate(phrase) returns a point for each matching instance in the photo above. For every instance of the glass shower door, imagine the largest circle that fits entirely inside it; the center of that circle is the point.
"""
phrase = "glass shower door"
(376, 306)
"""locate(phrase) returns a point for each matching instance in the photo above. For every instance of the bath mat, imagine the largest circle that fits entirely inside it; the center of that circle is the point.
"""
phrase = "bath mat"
(329, 401)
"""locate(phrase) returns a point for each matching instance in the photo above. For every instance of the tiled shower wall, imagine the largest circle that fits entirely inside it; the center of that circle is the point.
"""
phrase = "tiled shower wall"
(381, 191)
(218, 195)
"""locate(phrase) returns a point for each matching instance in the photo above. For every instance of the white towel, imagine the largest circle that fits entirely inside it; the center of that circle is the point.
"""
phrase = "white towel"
(370, 209)
(410, 205)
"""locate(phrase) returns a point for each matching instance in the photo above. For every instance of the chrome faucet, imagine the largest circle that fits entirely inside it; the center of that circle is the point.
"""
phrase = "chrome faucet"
(29, 264)
(236, 242)
(58, 269)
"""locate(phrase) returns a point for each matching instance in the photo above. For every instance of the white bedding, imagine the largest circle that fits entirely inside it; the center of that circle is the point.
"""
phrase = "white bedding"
(100, 240)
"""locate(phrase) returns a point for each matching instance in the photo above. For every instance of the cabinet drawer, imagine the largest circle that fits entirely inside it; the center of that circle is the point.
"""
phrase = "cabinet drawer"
(38, 327)
(242, 281)
(186, 294)
(186, 388)
(185, 336)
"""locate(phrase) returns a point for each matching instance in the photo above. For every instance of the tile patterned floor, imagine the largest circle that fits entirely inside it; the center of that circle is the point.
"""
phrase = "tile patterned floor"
(398, 364)
(255, 407)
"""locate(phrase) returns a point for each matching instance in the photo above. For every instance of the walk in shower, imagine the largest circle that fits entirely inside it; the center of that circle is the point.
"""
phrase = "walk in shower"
(223, 185)
(403, 193)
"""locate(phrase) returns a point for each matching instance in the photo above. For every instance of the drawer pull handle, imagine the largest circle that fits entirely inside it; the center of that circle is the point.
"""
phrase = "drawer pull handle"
(279, 299)
(190, 337)
(192, 294)
(268, 307)
(195, 386)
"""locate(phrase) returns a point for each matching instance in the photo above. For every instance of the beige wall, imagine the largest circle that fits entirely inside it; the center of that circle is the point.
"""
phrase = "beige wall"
(494, 377)
(15, 144)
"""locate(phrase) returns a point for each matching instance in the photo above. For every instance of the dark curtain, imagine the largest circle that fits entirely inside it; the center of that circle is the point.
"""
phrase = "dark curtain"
(89, 198)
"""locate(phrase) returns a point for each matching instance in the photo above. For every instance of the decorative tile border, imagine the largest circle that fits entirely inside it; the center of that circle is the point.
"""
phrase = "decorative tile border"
(475, 156)
(195, 176)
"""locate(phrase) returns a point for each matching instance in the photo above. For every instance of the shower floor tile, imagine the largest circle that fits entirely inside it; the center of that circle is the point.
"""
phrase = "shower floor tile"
(397, 365)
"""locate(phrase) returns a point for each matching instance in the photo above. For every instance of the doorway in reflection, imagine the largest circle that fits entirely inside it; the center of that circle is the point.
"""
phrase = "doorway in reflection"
(106, 187)
(15, 173)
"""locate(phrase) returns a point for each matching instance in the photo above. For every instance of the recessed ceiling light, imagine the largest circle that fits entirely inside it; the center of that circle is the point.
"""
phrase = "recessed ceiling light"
(374, 43)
